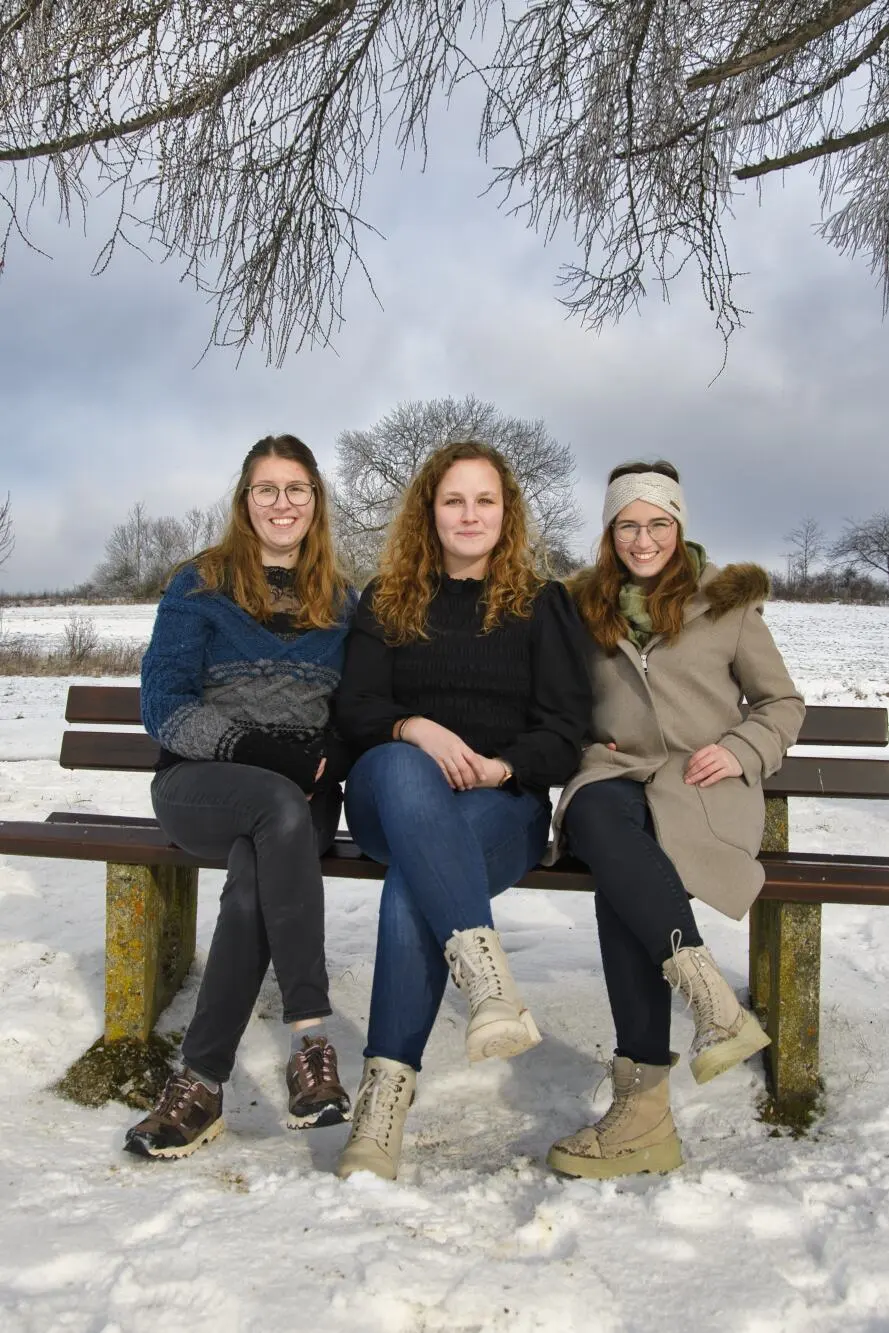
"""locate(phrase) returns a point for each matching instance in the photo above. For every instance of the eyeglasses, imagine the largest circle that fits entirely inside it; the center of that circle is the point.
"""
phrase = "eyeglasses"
(658, 529)
(298, 493)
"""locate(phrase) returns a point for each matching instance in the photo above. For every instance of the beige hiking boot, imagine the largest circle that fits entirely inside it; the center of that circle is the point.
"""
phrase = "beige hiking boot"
(381, 1105)
(499, 1024)
(725, 1032)
(635, 1134)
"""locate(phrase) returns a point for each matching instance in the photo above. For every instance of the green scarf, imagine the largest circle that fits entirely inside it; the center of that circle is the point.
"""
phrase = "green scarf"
(634, 600)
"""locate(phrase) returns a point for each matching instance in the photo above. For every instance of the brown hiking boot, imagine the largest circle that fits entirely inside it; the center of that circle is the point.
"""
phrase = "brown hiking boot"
(187, 1116)
(317, 1097)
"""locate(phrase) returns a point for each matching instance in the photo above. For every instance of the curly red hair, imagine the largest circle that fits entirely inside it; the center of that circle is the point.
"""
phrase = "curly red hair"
(411, 565)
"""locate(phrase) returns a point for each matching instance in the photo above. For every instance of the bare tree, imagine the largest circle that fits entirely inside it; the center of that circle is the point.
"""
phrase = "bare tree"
(373, 467)
(809, 545)
(7, 533)
(215, 520)
(140, 553)
(122, 572)
(142, 550)
(865, 544)
(193, 530)
(238, 137)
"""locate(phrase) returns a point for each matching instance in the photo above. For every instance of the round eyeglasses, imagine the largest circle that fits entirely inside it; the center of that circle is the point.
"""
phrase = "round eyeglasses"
(658, 529)
(298, 493)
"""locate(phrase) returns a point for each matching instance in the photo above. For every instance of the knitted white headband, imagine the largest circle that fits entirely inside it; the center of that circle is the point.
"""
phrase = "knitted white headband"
(651, 486)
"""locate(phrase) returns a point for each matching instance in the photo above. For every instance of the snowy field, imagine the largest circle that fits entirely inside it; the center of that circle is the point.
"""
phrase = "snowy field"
(758, 1233)
(45, 625)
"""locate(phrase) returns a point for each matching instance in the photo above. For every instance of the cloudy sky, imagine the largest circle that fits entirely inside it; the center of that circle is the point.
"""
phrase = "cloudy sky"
(105, 401)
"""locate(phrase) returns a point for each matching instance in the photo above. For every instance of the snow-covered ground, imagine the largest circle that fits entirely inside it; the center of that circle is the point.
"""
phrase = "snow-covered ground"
(45, 625)
(758, 1233)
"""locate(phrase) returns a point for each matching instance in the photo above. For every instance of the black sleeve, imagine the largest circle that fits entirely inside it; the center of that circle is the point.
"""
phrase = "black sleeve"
(364, 708)
(559, 716)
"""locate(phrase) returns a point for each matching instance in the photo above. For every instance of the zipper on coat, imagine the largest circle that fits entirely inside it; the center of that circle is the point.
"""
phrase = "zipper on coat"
(644, 658)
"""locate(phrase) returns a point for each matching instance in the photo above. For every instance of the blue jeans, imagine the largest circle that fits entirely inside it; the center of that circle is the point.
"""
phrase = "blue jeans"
(448, 854)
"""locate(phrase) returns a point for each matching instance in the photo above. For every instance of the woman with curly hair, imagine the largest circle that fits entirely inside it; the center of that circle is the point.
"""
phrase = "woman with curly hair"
(692, 708)
(246, 652)
(465, 687)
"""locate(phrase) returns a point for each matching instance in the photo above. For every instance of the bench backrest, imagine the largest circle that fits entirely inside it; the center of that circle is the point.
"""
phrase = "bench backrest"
(133, 751)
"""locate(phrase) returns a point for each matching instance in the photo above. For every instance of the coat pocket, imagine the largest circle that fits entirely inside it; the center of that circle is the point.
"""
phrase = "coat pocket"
(735, 813)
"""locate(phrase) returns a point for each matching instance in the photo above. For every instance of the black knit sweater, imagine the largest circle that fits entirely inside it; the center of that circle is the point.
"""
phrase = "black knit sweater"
(520, 692)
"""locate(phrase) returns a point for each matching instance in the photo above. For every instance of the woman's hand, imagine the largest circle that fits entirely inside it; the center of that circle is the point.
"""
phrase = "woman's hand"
(494, 772)
(318, 775)
(711, 764)
(460, 764)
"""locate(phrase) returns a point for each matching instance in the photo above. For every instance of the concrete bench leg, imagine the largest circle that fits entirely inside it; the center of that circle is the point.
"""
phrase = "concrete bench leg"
(785, 976)
(149, 943)
(785, 986)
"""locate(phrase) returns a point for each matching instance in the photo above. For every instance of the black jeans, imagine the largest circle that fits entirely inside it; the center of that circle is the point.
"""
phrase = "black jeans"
(272, 904)
(640, 902)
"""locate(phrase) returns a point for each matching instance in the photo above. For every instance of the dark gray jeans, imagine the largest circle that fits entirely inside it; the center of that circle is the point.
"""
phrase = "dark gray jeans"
(272, 904)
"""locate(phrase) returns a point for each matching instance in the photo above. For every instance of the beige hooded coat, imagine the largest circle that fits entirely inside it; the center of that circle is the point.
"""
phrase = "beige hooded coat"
(661, 705)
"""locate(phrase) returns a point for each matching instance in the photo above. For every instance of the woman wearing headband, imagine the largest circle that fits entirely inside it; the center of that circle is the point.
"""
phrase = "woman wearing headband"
(668, 800)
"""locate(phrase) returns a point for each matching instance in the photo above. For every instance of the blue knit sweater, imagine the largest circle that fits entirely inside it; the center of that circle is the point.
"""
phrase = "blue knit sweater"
(212, 674)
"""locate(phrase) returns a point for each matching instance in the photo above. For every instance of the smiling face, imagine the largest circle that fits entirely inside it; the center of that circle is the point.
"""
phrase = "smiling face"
(468, 512)
(644, 556)
(280, 527)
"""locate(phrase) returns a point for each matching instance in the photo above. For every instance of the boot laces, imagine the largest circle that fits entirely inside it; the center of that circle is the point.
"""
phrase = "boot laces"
(620, 1100)
(473, 966)
(177, 1092)
(316, 1064)
(376, 1103)
(689, 970)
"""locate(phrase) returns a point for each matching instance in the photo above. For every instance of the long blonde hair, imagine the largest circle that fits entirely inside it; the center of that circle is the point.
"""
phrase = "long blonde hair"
(411, 565)
(234, 564)
(596, 590)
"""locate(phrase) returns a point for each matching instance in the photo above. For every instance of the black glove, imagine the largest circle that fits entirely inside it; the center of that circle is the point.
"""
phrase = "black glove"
(339, 757)
(296, 760)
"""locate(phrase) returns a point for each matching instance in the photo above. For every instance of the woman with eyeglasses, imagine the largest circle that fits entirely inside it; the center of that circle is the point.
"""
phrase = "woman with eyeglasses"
(247, 649)
(692, 708)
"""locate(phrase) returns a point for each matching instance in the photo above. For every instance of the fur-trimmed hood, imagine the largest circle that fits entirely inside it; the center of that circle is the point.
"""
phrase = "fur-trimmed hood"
(733, 587)
(720, 590)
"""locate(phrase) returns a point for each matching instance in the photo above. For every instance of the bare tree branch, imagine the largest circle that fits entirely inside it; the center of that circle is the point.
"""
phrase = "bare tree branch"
(809, 154)
(238, 138)
(831, 16)
(7, 532)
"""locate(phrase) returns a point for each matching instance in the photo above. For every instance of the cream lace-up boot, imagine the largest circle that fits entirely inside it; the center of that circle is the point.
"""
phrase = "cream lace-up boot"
(635, 1134)
(381, 1105)
(499, 1024)
(725, 1032)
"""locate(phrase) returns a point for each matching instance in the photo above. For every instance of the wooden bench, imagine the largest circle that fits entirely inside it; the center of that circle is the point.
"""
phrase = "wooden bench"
(152, 884)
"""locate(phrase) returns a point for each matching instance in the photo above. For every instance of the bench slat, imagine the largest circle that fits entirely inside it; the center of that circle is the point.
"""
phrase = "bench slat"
(104, 703)
(113, 751)
(838, 724)
(861, 779)
(84, 817)
(790, 877)
(824, 724)
(800, 775)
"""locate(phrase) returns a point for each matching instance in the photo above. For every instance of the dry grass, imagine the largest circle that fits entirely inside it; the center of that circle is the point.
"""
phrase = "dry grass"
(23, 657)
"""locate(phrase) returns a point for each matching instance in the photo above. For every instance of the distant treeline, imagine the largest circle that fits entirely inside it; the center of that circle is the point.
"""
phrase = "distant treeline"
(853, 567)
(830, 585)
